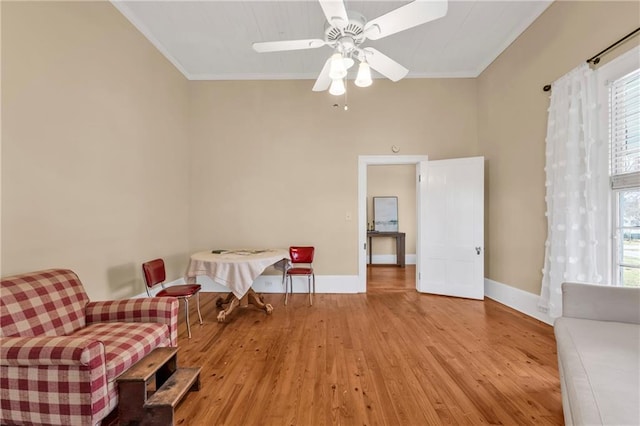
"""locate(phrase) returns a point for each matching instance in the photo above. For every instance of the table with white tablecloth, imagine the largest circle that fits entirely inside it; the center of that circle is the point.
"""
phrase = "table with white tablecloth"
(237, 270)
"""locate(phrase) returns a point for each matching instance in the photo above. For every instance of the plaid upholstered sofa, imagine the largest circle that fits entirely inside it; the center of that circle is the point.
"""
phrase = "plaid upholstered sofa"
(60, 353)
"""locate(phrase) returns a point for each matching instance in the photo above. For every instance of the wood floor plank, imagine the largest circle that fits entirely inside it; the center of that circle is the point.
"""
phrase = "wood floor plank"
(388, 357)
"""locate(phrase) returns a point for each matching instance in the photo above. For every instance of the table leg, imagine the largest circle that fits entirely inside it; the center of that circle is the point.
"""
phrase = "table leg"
(258, 301)
(224, 300)
(251, 297)
(233, 302)
(400, 249)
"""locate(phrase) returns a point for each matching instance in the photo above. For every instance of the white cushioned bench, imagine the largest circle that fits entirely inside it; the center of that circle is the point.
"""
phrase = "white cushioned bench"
(598, 338)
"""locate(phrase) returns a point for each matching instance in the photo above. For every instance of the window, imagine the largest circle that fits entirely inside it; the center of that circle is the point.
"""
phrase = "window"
(624, 170)
(627, 237)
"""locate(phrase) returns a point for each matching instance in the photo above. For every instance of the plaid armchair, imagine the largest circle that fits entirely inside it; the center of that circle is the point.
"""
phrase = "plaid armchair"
(60, 353)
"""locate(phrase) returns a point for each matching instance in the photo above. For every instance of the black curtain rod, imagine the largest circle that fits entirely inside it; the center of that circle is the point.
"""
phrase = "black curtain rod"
(595, 59)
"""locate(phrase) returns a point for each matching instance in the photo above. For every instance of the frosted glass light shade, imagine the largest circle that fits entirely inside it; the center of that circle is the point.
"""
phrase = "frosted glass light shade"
(363, 78)
(337, 87)
(348, 63)
(338, 68)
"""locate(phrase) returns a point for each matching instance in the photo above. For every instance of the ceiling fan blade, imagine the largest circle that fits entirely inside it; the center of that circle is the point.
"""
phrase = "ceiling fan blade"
(408, 16)
(279, 46)
(324, 81)
(335, 12)
(385, 65)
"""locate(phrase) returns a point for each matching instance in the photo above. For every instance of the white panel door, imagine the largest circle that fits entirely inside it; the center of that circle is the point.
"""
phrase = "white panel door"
(452, 253)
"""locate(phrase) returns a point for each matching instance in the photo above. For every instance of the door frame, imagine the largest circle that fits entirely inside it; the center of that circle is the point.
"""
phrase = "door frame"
(381, 160)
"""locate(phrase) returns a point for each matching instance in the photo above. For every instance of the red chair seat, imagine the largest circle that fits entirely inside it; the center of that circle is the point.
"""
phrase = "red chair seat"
(180, 290)
(300, 271)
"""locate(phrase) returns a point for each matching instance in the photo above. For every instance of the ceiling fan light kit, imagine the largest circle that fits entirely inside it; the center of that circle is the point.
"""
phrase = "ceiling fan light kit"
(346, 31)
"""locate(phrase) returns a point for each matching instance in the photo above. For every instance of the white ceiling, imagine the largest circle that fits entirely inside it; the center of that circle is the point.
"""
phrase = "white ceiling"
(211, 40)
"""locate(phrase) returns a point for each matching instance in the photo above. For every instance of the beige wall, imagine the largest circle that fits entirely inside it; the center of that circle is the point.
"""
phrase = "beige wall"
(85, 98)
(397, 181)
(512, 127)
(94, 147)
(275, 164)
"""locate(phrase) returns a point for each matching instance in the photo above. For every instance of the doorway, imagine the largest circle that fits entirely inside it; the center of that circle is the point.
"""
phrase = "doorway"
(397, 183)
(419, 162)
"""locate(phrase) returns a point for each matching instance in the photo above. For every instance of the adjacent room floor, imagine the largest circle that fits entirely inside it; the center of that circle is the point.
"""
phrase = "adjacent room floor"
(391, 277)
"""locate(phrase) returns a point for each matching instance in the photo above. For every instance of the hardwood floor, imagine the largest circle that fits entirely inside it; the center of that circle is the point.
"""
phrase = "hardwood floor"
(388, 357)
(391, 277)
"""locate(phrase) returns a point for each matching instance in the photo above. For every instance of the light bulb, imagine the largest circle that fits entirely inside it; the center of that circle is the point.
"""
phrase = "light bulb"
(338, 68)
(337, 87)
(363, 79)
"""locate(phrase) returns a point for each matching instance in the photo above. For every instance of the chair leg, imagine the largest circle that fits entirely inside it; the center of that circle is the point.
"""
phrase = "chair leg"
(186, 312)
(309, 284)
(286, 293)
(198, 306)
(284, 282)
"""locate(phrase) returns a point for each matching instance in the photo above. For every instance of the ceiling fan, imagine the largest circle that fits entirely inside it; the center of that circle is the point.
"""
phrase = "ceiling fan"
(347, 30)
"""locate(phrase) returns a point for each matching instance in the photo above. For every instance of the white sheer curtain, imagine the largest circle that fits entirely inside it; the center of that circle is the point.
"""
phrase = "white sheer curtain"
(574, 205)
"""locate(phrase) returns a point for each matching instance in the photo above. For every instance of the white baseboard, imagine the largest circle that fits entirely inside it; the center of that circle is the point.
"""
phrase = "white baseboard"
(520, 300)
(324, 284)
(390, 259)
(273, 284)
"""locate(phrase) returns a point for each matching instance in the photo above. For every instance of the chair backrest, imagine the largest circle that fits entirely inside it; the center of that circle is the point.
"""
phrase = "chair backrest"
(154, 272)
(301, 254)
(42, 303)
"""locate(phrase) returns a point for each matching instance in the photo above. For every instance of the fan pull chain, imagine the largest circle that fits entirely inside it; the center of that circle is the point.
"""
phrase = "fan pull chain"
(346, 90)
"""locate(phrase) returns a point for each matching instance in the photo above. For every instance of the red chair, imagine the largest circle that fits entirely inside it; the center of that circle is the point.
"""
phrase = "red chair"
(300, 256)
(154, 274)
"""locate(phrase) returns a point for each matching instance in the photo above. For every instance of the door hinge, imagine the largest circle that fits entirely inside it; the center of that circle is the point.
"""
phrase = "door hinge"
(365, 246)
(419, 178)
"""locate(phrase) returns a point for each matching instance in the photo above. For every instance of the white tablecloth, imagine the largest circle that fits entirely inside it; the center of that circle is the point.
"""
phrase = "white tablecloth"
(236, 269)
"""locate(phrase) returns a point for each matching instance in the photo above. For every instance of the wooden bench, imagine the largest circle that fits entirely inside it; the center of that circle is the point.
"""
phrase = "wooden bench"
(138, 404)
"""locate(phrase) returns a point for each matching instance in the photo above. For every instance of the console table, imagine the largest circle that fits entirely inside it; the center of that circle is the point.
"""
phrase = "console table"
(400, 245)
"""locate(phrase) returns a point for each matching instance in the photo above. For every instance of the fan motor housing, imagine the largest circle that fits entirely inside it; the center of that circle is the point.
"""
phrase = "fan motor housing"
(350, 36)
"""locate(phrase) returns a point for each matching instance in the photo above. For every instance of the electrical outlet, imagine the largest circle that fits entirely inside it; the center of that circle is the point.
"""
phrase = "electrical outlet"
(268, 283)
